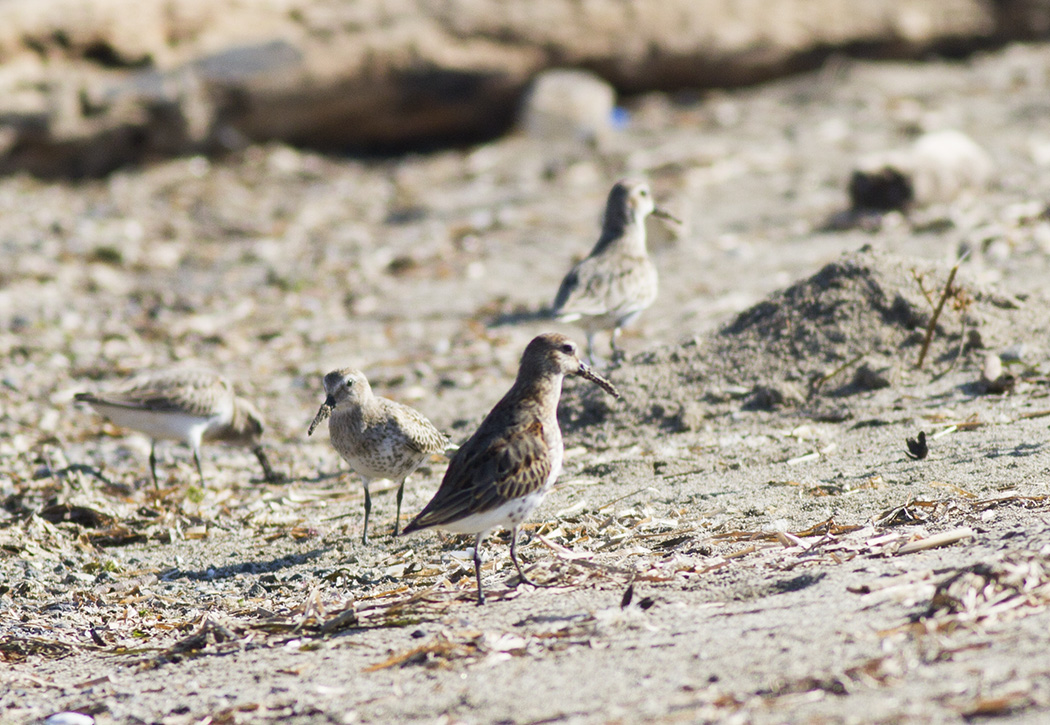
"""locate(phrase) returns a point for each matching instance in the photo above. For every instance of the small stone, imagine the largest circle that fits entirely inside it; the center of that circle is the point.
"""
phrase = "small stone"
(773, 397)
(1014, 353)
(255, 591)
(866, 378)
(993, 379)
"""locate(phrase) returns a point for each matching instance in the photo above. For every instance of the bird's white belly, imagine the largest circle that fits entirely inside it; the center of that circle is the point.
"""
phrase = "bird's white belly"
(160, 425)
(510, 513)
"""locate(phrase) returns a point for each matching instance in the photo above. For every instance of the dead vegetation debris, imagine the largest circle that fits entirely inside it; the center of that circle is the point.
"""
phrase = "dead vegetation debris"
(989, 593)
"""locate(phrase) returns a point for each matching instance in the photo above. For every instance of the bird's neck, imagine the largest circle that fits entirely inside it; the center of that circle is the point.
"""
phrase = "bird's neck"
(624, 229)
(238, 430)
(354, 414)
(537, 393)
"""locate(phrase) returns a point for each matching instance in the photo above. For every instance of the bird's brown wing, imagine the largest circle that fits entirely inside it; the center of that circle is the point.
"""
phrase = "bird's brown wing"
(583, 291)
(421, 434)
(191, 391)
(485, 473)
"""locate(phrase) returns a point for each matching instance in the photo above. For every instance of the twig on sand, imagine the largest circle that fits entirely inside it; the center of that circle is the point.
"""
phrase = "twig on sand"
(947, 292)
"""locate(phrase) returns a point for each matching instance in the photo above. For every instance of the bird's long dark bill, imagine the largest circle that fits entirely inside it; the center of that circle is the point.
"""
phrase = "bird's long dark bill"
(586, 372)
(664, 214)
(323, 412)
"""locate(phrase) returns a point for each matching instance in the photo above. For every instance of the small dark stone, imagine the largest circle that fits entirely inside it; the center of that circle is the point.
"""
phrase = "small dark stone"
(885, 189)
(866, 378)
(255, 591)
(628, 595)
(772, 397)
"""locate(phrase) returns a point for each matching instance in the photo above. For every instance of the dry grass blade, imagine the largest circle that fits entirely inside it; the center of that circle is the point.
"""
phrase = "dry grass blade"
(805, 458)
(445, 648)
(342, 620)
(997, 706)
(828, 526)
(16, 649)
(815, 388)
(211, 632)
(932, 325)
(1034, 414)
(441, 646)
(582, 559)
(911, 512)
(1016, 585)
(932, 542)
(1026, 501)
(952, 487)
(739, 535)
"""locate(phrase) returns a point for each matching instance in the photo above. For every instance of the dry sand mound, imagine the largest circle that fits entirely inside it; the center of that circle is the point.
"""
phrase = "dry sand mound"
(856, 325)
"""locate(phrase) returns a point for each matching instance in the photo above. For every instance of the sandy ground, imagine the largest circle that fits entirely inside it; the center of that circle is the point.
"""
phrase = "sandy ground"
(741, 538)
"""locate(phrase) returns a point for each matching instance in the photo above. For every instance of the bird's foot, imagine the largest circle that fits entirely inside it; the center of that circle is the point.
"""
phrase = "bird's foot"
(523, 579)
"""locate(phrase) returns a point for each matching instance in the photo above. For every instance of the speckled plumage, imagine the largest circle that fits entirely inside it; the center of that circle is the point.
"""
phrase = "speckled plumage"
(187, 405)
(379, 438)
(506, 468)
(612, 286)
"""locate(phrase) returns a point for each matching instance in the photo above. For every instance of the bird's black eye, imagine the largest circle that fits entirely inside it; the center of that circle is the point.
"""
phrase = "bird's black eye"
(643, 192)
(568, 348)
(350, 382)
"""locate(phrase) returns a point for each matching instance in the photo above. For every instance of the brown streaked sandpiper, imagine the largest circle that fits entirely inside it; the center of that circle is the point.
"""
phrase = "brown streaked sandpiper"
(506, 468)
(612, 286)
(379, 438)
(187, 405)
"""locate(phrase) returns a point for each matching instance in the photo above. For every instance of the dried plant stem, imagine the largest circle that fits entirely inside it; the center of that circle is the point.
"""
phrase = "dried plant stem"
(922, 287)
(844, 366)
(945, 294)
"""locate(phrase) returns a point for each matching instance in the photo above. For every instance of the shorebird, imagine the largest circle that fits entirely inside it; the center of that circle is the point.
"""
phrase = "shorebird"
(506, 468)
(187, 405)
(617, 280)
(379, 438)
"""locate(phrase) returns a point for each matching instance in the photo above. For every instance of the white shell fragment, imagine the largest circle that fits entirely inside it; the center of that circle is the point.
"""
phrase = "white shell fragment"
(69, 718)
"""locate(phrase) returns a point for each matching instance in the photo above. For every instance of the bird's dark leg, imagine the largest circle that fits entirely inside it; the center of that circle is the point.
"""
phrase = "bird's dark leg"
(368, 510)
(153, 463)
(514, 558)
(197, 460)
(400, 495)
(617, 353)
(590, 348)
(268, 473)
(477, 568)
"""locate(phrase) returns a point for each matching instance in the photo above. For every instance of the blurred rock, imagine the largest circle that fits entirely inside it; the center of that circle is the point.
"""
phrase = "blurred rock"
(774, 397)
(568, 105)
(936, 168)
(993, 379)
(86, 87)
(868, 378)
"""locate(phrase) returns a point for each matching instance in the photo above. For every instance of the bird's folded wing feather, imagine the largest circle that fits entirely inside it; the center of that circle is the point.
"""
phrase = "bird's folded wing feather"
(583, 291)
(161, 395)
(421, 434)
(483, 476)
